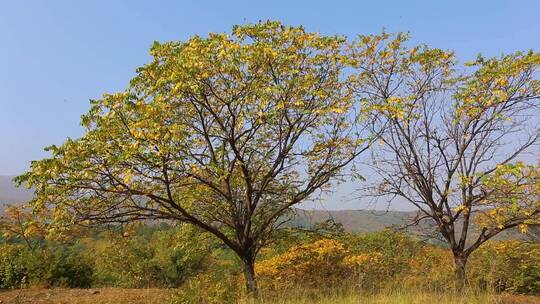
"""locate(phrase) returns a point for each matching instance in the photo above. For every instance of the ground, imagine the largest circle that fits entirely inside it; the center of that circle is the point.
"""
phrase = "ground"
(158, 296)
(84, 296)
(520, 300)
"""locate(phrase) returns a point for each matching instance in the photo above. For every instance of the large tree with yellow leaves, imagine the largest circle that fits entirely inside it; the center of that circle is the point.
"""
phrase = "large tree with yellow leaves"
(225, 132)
(460, 145)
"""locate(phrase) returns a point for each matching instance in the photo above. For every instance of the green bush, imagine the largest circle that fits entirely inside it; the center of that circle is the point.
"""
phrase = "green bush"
(13, 271)
(120, 262)
(511, 266)
(179, 253)
(66, 267)
(161, 257)
(59, 266)
(396, 249)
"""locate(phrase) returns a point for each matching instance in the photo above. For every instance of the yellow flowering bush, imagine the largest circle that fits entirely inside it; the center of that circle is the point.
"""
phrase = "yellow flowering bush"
(368, 268)
(316, 264)
(430, 268)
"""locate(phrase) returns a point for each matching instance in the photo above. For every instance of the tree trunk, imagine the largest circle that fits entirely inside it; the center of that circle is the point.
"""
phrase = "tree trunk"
(461, 278)
(249, 276)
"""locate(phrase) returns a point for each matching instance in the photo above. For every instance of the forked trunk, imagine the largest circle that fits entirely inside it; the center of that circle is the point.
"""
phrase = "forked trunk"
(460, 274)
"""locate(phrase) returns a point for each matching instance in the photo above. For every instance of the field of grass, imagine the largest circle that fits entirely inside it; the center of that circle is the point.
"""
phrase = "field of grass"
(84, 296)
(413, 298)
(158, 296)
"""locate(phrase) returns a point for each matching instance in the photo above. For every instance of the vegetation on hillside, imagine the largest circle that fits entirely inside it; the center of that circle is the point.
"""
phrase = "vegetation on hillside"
(201, 270)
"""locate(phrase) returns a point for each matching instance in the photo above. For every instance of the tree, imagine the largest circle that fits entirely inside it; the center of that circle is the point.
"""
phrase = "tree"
(455, 145)
(35, 229)
(18, 223)
(226, 132)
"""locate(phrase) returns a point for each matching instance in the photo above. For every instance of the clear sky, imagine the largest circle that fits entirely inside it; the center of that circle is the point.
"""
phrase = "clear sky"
(56, 55)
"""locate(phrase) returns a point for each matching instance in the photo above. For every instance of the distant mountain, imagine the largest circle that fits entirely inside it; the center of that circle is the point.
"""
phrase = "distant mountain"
(10, 194)
(373, 220)
(353, 220)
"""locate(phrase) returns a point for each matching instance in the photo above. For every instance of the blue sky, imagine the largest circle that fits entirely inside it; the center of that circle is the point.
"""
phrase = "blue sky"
(56, 55)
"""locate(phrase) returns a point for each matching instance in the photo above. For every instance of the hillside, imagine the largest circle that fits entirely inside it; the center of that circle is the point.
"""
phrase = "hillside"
(353, 220)
(9, 193)
(376, 220)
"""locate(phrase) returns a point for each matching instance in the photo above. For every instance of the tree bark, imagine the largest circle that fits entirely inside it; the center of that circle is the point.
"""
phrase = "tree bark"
(249, 276)
(460, 274)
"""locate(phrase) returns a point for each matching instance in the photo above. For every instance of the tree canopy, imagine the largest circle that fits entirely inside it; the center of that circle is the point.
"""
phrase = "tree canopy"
(225, 132)
(458, 143)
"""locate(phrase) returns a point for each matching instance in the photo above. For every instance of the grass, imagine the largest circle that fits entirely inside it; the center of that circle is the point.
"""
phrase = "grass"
(410, 298)
(159, 296)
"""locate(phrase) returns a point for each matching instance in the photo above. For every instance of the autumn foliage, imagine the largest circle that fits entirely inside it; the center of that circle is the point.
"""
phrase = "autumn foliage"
(230, 132)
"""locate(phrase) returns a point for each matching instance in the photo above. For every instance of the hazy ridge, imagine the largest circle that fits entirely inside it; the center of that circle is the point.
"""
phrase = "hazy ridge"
(10, 194)
(352, 220)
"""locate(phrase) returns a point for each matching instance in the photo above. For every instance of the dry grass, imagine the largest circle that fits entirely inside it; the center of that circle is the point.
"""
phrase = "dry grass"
(159, 296)
(85, 296)
(412, 298)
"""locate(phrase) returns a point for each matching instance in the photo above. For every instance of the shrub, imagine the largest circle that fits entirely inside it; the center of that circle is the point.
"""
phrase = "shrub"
(510, 265)
(53, 266)
(179, 253)
(209, 288)
(163, 257)
(390, 250)
(13, 272)
(65, 267)
(431, 268)
(319, 264)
